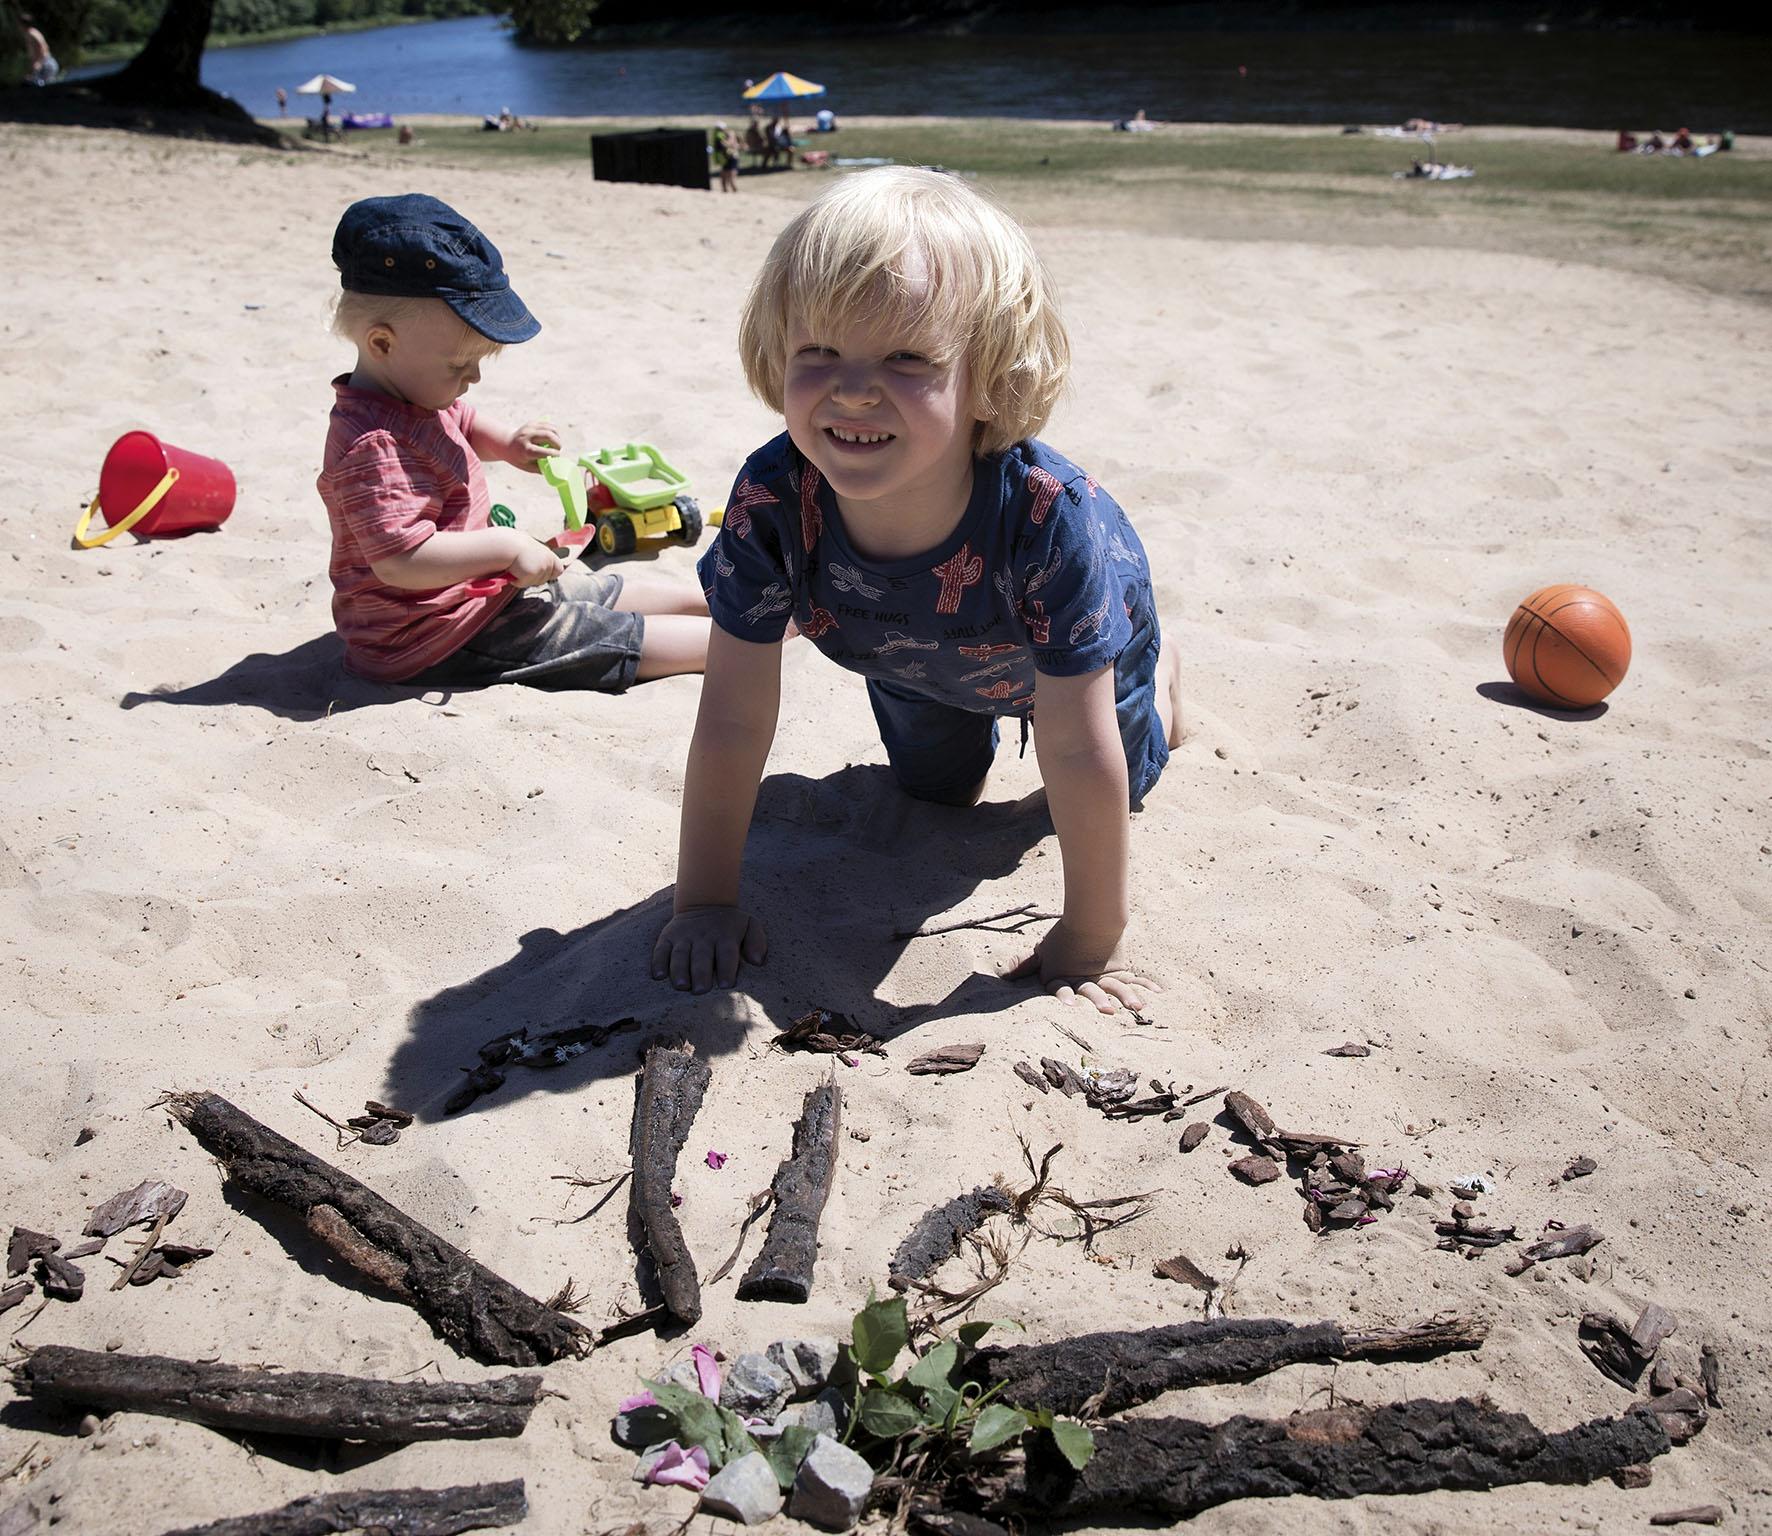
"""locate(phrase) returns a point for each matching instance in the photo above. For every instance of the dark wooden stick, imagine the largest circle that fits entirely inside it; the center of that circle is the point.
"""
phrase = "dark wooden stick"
(1176, 1467)
(308, 1403)
(782, 1270)
(476, 1311)
(1105, 1372)
(386, 1511)
(936, 1237)
(666, 1097)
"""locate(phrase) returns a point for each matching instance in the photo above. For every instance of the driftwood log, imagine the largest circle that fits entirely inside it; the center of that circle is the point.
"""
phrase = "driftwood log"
(1176, 1468)
(478, 1313)
(936, 1237)
(308, 1403)
(782, 1270)
(667, 1096)
(1105, 1372)
(386, 1511)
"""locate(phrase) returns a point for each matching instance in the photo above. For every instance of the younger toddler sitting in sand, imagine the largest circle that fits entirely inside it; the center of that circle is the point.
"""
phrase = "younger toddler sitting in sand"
(425, 590)
(916, 533)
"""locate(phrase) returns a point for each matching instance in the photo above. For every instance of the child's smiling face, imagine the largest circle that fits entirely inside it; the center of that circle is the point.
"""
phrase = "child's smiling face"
(888, 424)
(430, 359)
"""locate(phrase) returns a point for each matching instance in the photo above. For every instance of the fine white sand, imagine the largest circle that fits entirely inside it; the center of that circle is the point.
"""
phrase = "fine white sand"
(228, 866)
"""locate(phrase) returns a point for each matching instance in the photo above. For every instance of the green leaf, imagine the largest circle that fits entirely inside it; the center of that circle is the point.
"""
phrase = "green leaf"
(886, 1415)
(934, 1369)
(939, 1403)
(996, 1425)
(737, 1439)
(787, 1450)
(700, 1420)
(880, 1331)
(971, 1333)
(1074, 1441)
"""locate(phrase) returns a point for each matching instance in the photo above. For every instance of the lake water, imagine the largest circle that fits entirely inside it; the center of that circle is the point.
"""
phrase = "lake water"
(473, 66)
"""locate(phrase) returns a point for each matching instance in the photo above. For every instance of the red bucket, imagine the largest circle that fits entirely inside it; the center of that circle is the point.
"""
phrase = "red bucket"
(156, 491)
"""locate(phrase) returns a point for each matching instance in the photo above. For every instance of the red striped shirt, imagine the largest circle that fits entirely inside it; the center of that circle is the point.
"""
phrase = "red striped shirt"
(392, 476)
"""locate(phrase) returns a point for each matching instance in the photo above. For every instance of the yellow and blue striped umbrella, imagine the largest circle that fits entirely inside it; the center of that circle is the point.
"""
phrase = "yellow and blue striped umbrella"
(781, 86)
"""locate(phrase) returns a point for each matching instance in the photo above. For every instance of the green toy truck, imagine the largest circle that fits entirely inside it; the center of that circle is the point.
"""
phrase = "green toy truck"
(628, 493)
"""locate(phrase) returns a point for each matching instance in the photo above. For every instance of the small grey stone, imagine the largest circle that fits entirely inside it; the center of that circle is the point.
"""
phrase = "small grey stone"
(745, 1490)
(755, 1384)
(832, 1486)
(808, 1363)
(683, 1374)
(89, 1425)
(819, 1414)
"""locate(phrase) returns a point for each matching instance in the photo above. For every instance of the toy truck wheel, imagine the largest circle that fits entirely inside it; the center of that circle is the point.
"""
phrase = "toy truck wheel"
(615, 534)
(689, 514)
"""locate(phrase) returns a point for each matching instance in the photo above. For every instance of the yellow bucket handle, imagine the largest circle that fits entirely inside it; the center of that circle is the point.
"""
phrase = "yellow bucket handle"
(148, 503)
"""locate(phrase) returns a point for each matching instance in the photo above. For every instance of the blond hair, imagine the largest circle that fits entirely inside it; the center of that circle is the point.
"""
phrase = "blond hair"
(938, 261)
(355, 314)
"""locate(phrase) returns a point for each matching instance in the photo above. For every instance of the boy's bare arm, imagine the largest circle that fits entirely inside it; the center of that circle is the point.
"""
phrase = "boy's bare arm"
(1083, 763)
(447, 558)
(709, 933)
(524, 447)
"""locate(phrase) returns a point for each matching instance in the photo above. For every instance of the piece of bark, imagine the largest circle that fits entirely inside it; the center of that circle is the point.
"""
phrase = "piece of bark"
(309, 1403)
(26, 1245)
(1065, 1079)
(479, 1081)
(1250, 1115)
(1563, 1244)
(949, 1058)
(1697, 1514)
(667, 1095)
(1579, 1169)
(782, 1270)
(1183, 1269)
(385, 1511)
(1662, 1377)
(1177, 1468)
(1710, 1376)
(1680, 1413)
(475, 1310)
(1034, 1079)
(1654, 1323)
(936, 1236)
(148, 1201)
(1193, 1135)
(1255, 1169)
(1112, 1371)
(1636, 1475)
(1607, 1342)
(1351, 1048)
(828, 1032)
(13, 1294)
(952, 1522)
(59, 1278)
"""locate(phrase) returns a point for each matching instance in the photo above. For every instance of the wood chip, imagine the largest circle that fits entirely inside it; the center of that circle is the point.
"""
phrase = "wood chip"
(1580, 1168)
(1654, 1323)
(149, 1200)
(948, 1059)
(1256, 1169)
(1183, 1269)
(1351, 1048)
(1698, 1514)
(1194, 1135)
(27, 1245)
(1032, 1077)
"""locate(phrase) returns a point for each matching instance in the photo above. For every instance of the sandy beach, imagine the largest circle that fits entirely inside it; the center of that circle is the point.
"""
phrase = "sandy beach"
(229, 866)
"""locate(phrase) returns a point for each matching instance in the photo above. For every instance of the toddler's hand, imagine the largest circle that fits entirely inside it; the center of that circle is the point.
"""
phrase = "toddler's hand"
(701, 947)
(1072, 970)
(532, 442)
(535, 565)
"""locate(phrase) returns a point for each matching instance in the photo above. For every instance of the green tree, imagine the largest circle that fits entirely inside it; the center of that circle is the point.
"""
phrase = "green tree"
(551, 21)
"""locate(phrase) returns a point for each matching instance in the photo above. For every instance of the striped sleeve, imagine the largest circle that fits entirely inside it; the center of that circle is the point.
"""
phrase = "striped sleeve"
(383, 496)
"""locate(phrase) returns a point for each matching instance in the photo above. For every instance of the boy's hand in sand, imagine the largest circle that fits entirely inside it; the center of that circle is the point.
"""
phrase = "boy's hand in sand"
(701, 947)
(535, 564)
(533, 442)
(1073, 970)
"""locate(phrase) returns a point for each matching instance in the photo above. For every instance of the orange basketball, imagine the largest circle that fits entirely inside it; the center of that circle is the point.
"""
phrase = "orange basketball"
(1567, 646)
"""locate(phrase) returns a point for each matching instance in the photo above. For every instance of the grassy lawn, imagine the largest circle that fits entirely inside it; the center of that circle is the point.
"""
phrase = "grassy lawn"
(1550, 193)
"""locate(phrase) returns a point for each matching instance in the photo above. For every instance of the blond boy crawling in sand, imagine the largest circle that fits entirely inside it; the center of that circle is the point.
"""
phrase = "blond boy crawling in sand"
(426, 591)
(915, 532)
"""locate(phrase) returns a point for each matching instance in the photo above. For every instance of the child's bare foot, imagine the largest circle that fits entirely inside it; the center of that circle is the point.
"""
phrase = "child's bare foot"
(1169, 696)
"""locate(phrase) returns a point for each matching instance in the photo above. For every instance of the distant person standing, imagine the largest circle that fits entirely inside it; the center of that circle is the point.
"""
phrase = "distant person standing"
(726, 156)
(40, 65)
(282, 102)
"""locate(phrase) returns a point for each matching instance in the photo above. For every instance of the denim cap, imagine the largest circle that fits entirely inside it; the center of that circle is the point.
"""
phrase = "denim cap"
(415, 247)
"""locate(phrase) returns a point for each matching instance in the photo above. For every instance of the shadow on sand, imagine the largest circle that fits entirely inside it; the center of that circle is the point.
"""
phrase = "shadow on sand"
(1517, 698)
(834, 868)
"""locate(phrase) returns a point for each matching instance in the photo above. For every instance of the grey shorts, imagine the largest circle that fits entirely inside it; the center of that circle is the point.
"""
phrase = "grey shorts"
(561, 636)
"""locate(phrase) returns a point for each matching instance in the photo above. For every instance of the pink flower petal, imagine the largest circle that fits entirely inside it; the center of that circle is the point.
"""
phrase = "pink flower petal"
(638, 1401)
(716, 1159)
(679, 1468)
(707, 1371)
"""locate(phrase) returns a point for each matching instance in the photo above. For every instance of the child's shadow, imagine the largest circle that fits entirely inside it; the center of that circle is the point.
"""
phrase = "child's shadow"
(836, 869)
(306, 683)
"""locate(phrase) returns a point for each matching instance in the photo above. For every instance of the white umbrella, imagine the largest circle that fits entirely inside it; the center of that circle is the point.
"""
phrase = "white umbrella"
(324, 85)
